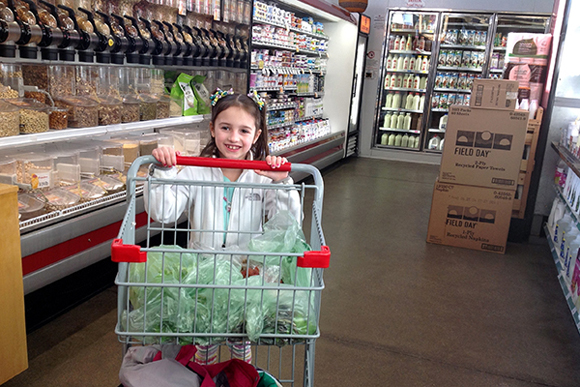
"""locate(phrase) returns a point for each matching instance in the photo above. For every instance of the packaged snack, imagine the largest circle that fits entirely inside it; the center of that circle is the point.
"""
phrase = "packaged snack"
(480, 59)
(466, 99)
(466, 59)
(457, 58)
(462, 81)
(462, 37)
(443, 58)
(435, 100)
(444, 101)
(450, 59)
(451, 99)
(471, 38)
(459, 99)
(453, 80)
(439, 80)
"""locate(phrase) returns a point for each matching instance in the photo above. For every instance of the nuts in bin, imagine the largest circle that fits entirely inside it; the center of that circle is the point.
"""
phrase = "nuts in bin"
(40, 97)
(32, 121)
(58, 119)
(10, 123)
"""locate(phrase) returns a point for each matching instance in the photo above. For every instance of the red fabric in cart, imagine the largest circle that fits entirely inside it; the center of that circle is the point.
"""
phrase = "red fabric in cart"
(155, 366)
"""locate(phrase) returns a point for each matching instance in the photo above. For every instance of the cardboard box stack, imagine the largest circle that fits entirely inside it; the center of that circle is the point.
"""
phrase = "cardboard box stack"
(473, 196)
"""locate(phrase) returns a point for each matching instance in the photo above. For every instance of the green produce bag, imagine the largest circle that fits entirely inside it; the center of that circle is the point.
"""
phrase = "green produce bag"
(201, 95)
(182, 91)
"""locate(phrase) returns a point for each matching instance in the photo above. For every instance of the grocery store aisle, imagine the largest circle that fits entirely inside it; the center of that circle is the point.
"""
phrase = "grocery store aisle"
(396, 311)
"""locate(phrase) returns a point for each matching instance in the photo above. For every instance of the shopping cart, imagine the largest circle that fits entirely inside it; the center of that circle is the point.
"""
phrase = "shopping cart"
(194, 294)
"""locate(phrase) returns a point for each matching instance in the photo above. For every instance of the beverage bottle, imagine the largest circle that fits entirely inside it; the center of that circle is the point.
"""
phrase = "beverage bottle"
(422, 102)
(416, 101)
(397, 43)
(416, 82)
(405, 141)
(407, 124)
(423, 83)
(418, 63)
(425, 64)
(400, 62)
(406, 62)
(396, 101)
(550, 223)
(387, 121)
(389, 100)
(417, 139)
(409, 44)
(400, 121)
(422, 43)
(409, 102)
(393, 81)
(391, 141)
(389, 61)
(402, 43)
(443, 122)
(558, 214)
(384, 139)
(560, 172)
(434, 142)
(412, 63)
(399, 82)
(562, 226)
(394, 121)
(405, 84)
(398, 139)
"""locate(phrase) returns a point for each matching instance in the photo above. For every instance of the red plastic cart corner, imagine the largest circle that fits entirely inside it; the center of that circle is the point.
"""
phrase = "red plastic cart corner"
(315, 259)
(126, 253)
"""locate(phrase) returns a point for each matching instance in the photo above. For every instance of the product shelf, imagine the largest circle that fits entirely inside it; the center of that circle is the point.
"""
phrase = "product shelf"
(274, 88)
(437, 151)
(304, 144)
(571, 160)
(410, 52)
(261, 43)
(313, 117)
(313, 94)
(400, 130)
(314, 35)
(444, 90)
(281, 106)
(287, 70)
(401, 110)
(69, 134)
(469, 69)
(563, 281)
(499, 49)
(434, 130)
(496, 71)
(459, 24)
(439, 110)
(412, 30)
(397, 147)
(406, 89)
(281, 125)
(408, 71)
(460, 47)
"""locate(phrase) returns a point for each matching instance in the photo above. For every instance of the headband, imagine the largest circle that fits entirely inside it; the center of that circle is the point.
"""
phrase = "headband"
(219, 94)
(257, 99)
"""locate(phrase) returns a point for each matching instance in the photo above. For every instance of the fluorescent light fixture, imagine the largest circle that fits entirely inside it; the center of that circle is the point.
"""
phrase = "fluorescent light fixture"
(311, 10)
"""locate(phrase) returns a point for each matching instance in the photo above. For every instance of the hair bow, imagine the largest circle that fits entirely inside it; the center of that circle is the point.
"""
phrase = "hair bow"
(219, 94)
(257, 99)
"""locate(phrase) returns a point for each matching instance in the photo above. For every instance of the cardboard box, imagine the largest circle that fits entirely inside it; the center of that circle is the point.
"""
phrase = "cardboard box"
(472, 217)
(494, 94)
(483, 147)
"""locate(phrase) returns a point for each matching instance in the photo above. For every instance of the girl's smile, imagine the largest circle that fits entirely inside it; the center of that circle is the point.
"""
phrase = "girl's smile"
(234, 131)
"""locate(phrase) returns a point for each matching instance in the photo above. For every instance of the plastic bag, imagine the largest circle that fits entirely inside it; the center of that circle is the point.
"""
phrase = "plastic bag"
(182, 91)
(282, 234)
(201, 95)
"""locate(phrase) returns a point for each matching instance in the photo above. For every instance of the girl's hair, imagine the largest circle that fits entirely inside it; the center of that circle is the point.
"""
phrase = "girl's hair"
(260, 147)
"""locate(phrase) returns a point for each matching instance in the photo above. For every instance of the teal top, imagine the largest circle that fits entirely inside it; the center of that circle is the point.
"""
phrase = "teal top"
(228, 195)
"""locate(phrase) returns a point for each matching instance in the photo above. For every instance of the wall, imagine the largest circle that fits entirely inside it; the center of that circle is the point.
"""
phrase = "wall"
(377, 10)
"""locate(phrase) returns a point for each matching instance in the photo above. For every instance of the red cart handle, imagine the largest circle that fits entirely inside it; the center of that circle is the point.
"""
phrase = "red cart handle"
(126, 253)
(228, 163)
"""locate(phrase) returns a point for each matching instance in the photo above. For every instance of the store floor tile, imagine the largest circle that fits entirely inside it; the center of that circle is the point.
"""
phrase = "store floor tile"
(396, 311)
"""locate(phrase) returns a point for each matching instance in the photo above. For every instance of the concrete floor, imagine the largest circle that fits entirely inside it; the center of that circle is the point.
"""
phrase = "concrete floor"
(396, 311)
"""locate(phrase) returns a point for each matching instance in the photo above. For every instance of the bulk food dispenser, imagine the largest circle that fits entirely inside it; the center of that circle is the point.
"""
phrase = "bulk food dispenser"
(187, 45)
(179, 43)
(31, 33)
(71, 37)
(101, 47)
(170, 44)
(52, 36)
(118, 42)
(9, 31)
(134, 41)
(88, 38)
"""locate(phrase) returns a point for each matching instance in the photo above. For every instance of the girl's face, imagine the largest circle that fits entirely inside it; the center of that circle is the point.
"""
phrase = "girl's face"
(235, 132)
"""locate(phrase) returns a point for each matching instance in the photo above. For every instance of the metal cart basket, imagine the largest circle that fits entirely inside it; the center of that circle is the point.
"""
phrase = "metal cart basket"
(260, 287)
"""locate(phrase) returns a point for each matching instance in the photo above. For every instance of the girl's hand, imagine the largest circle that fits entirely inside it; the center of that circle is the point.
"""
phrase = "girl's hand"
(274, 162)
(166, 156)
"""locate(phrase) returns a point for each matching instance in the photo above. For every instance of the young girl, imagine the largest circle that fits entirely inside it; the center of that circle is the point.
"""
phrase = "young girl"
(239, 132)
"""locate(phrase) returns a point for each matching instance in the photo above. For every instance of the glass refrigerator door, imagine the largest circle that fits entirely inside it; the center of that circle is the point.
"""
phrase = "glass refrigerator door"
(461, 59)
(505, 24)
(405, 71)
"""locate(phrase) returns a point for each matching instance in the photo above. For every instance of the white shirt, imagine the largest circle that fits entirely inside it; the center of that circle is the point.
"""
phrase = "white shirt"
(204, 204)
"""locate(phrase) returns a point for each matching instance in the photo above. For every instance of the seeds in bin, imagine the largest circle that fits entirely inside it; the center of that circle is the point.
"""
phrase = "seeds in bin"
(109, 114)
(58, 119)
(10, 123)
(32, 121)
(130, 113)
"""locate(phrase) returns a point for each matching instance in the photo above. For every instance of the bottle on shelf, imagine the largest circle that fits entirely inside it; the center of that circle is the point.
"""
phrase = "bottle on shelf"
(390, 62)
(399, 81)
(416, 82)
(405, 141)
(389, 101)
(397, 43)
(409, 102)
(412, 63)
(421, 44)
(385, 139)
(409, 44)
(425, 64)
(394, 62)
(400, 62)
(423, 83)
(434, 142)
(407, 124)
(405, 84)
(416, 102)
(396, 100)
(402, 43)
(418, 63)
(422, 102)
(400, 121)
(393, 81)
(416, 145)
(393, 124)
(406, 62)
(443, 122)
(441, 144)
(398, 139)
(391, 141)
(387, 121)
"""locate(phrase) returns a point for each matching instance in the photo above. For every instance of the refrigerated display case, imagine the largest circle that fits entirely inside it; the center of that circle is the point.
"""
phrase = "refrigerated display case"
(459, 47)
(408, 59)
